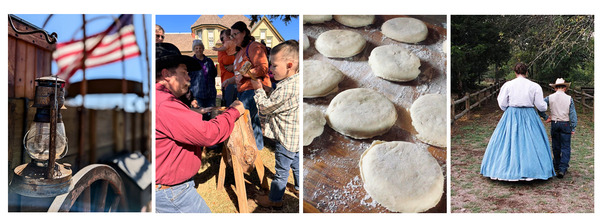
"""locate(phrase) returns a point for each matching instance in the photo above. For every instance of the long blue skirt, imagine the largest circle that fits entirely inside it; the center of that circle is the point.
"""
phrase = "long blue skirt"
(519, 148)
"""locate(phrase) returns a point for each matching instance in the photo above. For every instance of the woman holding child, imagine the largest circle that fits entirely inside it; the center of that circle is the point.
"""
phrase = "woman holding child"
(255, 54)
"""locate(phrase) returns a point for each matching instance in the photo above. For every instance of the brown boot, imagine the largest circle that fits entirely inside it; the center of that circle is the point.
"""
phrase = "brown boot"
(263, 201)
(293, 190)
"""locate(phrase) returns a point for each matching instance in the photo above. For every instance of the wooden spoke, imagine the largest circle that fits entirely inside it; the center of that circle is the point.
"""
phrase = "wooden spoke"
(101, 198)
(95, 184)
(87, 199)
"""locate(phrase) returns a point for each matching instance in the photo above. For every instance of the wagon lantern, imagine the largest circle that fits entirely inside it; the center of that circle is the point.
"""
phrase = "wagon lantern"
(45, 142)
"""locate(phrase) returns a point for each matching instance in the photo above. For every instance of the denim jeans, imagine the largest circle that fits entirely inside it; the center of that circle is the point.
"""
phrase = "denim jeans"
(181, 198)
(247, 97)
(561, 145)
(205, 103)
(229, 94)
(284, 159)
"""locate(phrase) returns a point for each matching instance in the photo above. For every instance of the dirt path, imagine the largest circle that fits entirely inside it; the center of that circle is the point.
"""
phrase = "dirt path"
(472, 193)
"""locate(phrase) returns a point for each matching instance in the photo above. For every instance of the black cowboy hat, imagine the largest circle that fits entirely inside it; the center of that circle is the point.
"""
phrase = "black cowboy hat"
(168, 55)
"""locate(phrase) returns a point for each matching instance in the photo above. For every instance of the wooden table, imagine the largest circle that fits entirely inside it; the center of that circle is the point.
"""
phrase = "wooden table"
(332, 181)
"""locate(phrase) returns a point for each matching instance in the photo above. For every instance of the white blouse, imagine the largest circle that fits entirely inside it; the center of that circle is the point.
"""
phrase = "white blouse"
(521, 92)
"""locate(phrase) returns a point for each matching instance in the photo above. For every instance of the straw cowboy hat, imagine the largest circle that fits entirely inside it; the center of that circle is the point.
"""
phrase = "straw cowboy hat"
(561, 81)
(168, 55)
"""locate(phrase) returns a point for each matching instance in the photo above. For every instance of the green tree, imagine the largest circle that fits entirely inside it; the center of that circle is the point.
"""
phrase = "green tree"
(552, 46)
(285, 18)
(476, 45)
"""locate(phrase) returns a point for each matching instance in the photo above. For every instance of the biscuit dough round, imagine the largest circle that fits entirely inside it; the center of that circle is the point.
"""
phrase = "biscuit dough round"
(305, 43)
(313, 123)
(361, 113)
(394, 63)
(320, 78)
(340, 43)
(428, 115)
(315, 19)
(355, 20)
(407, 30)
(401, 177)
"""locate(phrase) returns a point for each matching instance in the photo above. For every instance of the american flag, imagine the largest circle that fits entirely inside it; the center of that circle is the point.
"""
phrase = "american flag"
(116, 43)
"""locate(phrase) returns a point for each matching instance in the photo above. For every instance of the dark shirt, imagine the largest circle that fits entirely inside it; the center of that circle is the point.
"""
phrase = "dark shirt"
(203, 80)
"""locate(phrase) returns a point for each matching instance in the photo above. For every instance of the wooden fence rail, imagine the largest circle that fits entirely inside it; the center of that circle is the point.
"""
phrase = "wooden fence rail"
(474, 100)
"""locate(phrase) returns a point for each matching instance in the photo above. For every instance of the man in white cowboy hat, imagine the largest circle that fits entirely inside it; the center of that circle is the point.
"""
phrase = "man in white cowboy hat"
(181, 133)
(564, 121)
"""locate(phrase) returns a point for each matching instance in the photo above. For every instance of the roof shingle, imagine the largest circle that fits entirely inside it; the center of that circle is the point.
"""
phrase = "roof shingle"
(207, 19)
(183, 41)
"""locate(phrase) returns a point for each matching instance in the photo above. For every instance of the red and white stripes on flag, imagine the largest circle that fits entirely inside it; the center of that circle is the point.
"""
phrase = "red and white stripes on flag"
(117, 43)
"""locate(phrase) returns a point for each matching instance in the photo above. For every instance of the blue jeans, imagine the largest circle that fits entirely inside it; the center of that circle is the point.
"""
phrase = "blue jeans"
(205, 103)
(247, 97)
(181, 198)
(284, 159)
(229, 94)
(561, 145)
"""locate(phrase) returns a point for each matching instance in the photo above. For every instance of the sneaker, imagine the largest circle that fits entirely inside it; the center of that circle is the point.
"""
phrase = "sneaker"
(263, 201)
(560, 174)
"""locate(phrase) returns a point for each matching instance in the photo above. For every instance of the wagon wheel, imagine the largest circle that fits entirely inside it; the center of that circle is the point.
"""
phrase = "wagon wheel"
(90, 192)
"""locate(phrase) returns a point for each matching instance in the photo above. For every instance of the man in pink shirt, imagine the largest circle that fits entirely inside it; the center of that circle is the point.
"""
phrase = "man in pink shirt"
(181, 133)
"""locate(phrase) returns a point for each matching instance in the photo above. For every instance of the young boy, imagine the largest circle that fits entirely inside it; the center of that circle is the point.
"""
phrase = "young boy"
(281, 109)
(564, 121)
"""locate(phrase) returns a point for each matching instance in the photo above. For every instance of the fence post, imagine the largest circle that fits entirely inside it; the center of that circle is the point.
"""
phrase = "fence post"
(452, 112)
(468, 104)
(582, 101)
(477, 99)
(488, 95)
(485, 96)
(496, 89)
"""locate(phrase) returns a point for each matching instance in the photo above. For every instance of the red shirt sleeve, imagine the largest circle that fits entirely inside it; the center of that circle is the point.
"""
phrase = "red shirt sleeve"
(187, 127)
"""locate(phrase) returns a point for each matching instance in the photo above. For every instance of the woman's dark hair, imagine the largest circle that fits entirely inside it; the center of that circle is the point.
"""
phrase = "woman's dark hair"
(521, 68)
(241, 26)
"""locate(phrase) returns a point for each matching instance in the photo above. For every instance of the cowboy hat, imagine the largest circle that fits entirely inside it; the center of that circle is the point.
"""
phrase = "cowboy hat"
(168, 55)
(559, 82)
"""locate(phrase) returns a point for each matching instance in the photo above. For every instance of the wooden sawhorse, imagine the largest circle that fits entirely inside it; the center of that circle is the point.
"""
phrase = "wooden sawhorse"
(240, 152)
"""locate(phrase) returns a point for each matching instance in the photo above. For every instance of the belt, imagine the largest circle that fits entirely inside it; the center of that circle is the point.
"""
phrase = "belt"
(559, 121)
(162, 187)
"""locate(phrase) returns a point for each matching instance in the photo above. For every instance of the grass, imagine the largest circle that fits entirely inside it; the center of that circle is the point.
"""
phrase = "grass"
(473, 193)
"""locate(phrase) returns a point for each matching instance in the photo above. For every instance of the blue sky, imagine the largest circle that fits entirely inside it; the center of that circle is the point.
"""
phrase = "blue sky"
(68, 27)
(182, 24)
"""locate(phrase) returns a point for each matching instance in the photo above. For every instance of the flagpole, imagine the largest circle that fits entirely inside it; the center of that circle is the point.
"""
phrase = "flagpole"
(83, 91)
(123, 84)
(147, 94)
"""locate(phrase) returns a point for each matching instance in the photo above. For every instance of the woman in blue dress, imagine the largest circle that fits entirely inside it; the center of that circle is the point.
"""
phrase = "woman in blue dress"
(519, 148)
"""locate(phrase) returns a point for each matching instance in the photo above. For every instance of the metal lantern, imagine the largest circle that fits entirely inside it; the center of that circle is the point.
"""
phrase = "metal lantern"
(45, 142)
